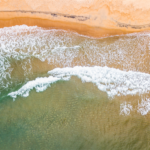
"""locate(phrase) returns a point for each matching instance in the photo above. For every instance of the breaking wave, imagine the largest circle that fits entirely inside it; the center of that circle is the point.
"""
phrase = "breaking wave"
(65, 49)
(112, 81)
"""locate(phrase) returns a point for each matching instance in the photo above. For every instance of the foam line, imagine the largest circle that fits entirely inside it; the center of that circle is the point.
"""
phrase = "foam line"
(39, 84)
(112, 81)
(61, 48)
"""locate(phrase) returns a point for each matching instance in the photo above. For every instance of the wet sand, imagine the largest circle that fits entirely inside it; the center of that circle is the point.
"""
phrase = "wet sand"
(69, 26)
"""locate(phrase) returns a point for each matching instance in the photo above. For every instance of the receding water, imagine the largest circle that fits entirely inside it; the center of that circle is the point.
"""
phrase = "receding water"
(63, 91)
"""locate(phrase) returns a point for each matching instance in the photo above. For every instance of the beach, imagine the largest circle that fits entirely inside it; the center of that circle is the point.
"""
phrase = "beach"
(74, 75)
(95, 18)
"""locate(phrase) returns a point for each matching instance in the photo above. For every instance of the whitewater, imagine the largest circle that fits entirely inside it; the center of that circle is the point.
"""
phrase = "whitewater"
(117, 65)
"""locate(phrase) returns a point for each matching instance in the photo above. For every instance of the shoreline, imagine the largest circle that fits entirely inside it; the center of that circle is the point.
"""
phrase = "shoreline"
(80, 24)
(86, 30)
(96, 18)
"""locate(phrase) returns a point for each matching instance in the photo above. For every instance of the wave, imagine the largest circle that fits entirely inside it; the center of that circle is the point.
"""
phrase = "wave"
(23, 43)
(60, 48)
(40, 84)
(112, 81)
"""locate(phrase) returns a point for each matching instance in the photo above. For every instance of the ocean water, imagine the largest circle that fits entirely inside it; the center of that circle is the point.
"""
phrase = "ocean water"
(60, 90)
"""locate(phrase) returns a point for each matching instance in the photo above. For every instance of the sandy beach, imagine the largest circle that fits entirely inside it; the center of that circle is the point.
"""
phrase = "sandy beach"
(74, 75)
(95, 18)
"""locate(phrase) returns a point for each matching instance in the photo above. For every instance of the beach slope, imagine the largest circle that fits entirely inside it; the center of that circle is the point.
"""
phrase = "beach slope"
(89, 17)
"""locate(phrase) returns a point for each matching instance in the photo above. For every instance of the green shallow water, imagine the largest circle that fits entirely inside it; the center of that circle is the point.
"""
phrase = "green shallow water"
(74, 114)
(70, 115)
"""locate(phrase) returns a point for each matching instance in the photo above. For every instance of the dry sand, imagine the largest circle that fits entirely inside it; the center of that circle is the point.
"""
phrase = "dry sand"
(90, 17)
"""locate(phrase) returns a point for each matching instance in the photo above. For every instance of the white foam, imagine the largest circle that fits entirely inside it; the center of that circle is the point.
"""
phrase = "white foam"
(24, 43)
(62, 48)
(39, 84)
(112, 81)
(125, 108)
(144, 106)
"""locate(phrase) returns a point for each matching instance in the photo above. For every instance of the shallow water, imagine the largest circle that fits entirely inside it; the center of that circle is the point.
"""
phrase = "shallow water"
(62, 90)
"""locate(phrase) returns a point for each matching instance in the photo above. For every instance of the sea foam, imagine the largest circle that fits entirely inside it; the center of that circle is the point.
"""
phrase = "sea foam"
(112, 81)
(23, 43)
(59, 48)
(40, 84)
(143, 107)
